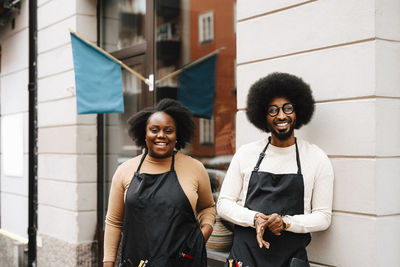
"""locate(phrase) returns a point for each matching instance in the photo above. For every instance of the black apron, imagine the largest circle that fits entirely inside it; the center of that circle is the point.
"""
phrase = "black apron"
(272, 193)
(159, 224)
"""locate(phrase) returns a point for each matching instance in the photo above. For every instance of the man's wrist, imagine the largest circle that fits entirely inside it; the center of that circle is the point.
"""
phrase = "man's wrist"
(285, 222)
(255, 218)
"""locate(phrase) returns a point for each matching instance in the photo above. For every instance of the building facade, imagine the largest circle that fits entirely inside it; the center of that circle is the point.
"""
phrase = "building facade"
(347, 51)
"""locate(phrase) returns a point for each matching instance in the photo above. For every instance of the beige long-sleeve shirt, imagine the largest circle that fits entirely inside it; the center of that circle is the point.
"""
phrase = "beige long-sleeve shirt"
(192, 177)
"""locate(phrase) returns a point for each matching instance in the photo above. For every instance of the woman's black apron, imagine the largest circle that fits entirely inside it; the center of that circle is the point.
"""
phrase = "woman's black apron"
(272, 193)
(159, 224)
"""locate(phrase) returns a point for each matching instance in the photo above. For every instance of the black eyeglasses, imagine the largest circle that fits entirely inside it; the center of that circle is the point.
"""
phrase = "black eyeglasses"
(287, 108)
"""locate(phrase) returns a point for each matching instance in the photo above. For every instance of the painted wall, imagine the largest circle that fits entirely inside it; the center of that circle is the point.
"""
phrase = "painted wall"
(348, 51)
(14, 125)
(66, 141)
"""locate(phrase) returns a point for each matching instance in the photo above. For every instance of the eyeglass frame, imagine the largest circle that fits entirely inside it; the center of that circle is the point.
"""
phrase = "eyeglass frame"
(279, 108)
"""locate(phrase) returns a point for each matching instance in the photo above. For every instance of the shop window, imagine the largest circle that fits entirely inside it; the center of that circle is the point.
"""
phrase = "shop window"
(206, 27)
(206, 131)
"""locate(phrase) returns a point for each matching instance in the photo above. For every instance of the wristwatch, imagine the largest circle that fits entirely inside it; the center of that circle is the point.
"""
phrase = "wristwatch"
(286, 225)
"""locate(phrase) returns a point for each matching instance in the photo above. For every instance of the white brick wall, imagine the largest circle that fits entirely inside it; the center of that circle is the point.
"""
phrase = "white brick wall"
(66, 141)
(348, 51)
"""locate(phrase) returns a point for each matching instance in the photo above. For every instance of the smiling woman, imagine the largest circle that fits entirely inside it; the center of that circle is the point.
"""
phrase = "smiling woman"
(161, 199)
(160, 135)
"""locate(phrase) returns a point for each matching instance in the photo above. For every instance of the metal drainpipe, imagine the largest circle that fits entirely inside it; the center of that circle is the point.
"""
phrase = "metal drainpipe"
(32, 88)
(100, 160)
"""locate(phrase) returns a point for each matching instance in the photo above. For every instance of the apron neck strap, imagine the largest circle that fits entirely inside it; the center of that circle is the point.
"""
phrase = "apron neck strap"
(262, 155)
(142, 160)
(144, 156)
(297, 157)
(172, 162)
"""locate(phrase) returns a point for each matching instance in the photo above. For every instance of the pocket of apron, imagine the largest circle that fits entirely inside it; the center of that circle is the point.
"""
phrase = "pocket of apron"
(193, 244)
(192, 251)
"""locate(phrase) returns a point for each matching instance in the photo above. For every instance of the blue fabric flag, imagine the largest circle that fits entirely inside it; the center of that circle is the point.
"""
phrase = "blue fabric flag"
(196, 88)
(98, 80)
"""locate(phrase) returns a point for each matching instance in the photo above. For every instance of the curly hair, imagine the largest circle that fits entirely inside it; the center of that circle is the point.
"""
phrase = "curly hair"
(181, 115)
(278, 84)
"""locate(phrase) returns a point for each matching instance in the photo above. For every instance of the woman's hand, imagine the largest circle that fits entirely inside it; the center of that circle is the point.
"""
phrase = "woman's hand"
(260, 222)
(206, 229)
(108, 264)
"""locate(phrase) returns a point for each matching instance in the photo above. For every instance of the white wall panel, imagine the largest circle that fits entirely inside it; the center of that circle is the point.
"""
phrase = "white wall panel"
(343, 128)
(252, 8)
(388, 233)
(245, 131)
(350, 241)
(87, 222)
(87, 168)
(58, 223)
(54, 11)
(86, 26)
(67, 141)
(55, 61)
(14, 214)
(354, 188)
(66, 225)
(87, 141)
(315, 25)
(14, 92)
(15, 56)
(66, 195)
(87, 7)
(388, 19)
(62, 112)
(56, 87)
(56, 113)
(387, 68)
(387, 127)
(58, 34)
(335, 73)
(388, 186)
(69, 168)
(55, 35)
(16, 185)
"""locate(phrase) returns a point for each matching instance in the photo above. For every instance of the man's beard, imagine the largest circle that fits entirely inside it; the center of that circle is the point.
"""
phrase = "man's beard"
(283, 136)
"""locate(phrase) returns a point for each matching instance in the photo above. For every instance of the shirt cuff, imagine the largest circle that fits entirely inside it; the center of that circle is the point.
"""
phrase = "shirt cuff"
(250, 217)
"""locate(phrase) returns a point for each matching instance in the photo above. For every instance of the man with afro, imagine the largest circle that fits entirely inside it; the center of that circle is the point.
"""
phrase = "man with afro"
(278, 189)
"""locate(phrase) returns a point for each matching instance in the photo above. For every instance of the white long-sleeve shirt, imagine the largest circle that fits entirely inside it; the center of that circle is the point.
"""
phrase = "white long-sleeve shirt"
(318, 184)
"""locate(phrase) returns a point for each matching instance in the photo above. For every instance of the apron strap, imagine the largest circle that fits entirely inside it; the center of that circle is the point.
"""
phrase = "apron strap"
(141, 161)
(262, 155)
(172, 162)
(297, 157)
(144, 156)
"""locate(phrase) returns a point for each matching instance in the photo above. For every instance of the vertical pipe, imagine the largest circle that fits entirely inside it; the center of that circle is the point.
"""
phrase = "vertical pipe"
(32, 88)
(100, 160)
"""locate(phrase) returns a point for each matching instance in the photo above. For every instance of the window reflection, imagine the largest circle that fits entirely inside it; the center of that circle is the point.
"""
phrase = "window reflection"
(188, 30)
(124, 22)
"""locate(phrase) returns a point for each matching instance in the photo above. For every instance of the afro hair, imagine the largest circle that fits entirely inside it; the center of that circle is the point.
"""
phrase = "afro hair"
(274, 85)
(181, 115)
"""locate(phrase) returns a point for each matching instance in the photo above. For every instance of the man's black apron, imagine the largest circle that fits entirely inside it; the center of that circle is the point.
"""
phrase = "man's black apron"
(272, 193)
(159, 223)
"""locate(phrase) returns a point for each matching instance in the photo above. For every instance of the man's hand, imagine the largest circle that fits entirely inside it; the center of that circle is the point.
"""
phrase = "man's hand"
(260, 222)
(275, 223)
